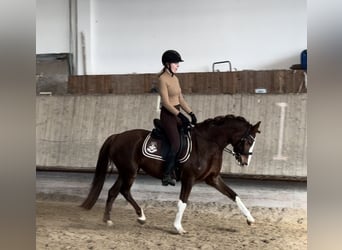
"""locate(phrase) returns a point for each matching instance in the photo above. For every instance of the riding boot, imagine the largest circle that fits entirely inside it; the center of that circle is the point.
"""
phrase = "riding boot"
(168, 168)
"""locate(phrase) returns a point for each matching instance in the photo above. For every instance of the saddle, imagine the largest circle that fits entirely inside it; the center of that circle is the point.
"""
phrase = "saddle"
(156, 145)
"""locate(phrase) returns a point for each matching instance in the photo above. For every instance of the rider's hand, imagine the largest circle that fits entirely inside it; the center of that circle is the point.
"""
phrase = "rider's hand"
(193, 118)
(184, 119)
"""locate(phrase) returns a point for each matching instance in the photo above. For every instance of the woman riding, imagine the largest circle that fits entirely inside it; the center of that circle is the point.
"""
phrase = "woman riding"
(172, 102)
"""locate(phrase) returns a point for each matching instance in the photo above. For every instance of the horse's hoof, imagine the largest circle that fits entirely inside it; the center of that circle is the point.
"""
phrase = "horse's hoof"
(109, 223)
(250, 222)
(181, 231)
(141, 222)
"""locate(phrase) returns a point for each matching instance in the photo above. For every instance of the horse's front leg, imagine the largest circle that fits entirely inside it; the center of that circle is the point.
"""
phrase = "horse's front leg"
(219, 184)
(178, 221)
(183, 199)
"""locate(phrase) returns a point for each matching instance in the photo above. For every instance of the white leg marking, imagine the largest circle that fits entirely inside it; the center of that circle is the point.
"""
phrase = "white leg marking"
(244, 210)
(109, 223)
(142, 217)
(178, 221)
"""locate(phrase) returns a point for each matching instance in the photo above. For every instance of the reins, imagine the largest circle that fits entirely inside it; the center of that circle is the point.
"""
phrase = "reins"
(229, 151)
(237, 154)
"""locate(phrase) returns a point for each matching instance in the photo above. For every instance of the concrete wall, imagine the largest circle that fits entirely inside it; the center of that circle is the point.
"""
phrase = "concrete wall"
(71, 129)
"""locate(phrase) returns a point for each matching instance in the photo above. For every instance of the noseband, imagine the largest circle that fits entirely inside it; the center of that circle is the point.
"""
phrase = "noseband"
(244, 138)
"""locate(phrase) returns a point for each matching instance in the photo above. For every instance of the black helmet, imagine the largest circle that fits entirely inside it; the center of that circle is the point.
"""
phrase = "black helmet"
(171, 56)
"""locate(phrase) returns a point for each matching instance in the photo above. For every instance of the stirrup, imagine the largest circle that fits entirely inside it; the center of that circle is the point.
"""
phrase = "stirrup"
(167, 180)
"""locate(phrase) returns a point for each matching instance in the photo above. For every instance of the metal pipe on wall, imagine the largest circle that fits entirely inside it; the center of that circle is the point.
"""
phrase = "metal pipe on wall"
(84, 54)
(73, 31)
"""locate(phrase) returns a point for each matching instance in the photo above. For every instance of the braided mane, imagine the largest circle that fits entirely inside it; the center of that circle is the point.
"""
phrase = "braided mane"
(219, 120)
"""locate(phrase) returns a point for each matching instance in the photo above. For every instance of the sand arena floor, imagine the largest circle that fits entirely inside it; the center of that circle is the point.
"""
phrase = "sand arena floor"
(211, 220)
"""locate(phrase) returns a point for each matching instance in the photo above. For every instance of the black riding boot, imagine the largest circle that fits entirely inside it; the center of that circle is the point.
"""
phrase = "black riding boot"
(168, 168)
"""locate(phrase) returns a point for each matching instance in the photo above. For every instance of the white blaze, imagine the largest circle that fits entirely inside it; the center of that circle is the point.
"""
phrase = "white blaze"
(250, 151)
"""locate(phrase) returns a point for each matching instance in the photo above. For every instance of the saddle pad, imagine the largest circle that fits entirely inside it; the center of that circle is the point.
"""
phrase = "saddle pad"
(152, 148)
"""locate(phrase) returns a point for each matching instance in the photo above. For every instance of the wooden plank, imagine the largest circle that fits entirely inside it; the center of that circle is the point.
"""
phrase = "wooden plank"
(238, 82)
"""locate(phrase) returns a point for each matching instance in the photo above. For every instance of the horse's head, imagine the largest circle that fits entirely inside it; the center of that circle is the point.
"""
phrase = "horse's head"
(243, 147)
(233, 130)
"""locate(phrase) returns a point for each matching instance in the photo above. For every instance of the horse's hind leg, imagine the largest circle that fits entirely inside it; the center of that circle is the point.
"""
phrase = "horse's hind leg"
(126, 192)
(112, 194)
(219, 184)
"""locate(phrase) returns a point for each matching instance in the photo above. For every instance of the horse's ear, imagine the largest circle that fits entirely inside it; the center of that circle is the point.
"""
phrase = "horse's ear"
(255, 127)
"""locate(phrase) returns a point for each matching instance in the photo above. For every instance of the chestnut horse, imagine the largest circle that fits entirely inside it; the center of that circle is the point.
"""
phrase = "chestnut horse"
(209, 139)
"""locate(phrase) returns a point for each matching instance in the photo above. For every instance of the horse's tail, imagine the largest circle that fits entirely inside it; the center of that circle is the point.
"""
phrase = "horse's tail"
(100, 174)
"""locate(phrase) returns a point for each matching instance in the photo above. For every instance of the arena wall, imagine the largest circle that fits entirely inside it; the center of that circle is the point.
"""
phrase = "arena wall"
(71, 129)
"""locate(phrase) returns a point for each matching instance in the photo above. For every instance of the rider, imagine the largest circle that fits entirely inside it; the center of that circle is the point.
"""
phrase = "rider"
(172, 102)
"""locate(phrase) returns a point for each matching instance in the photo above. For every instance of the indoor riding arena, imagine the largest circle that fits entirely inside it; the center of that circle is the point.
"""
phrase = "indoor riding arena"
(97, 66)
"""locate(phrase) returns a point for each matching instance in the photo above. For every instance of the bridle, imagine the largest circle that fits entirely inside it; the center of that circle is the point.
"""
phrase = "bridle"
(244, 138)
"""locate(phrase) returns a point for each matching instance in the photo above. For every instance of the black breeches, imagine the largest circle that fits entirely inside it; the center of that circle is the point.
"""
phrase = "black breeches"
(170, 125)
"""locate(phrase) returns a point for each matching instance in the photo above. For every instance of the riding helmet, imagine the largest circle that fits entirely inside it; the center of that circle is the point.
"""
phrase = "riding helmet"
(171, 56)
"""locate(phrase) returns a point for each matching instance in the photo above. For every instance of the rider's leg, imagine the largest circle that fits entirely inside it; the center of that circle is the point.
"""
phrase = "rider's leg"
(170, 126)
(168, 168)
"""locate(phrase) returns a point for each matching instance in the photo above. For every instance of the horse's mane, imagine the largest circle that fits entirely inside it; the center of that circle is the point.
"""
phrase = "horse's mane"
(219, 120)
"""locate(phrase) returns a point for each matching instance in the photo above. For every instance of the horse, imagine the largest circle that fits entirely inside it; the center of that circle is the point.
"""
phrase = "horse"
(210, 139)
